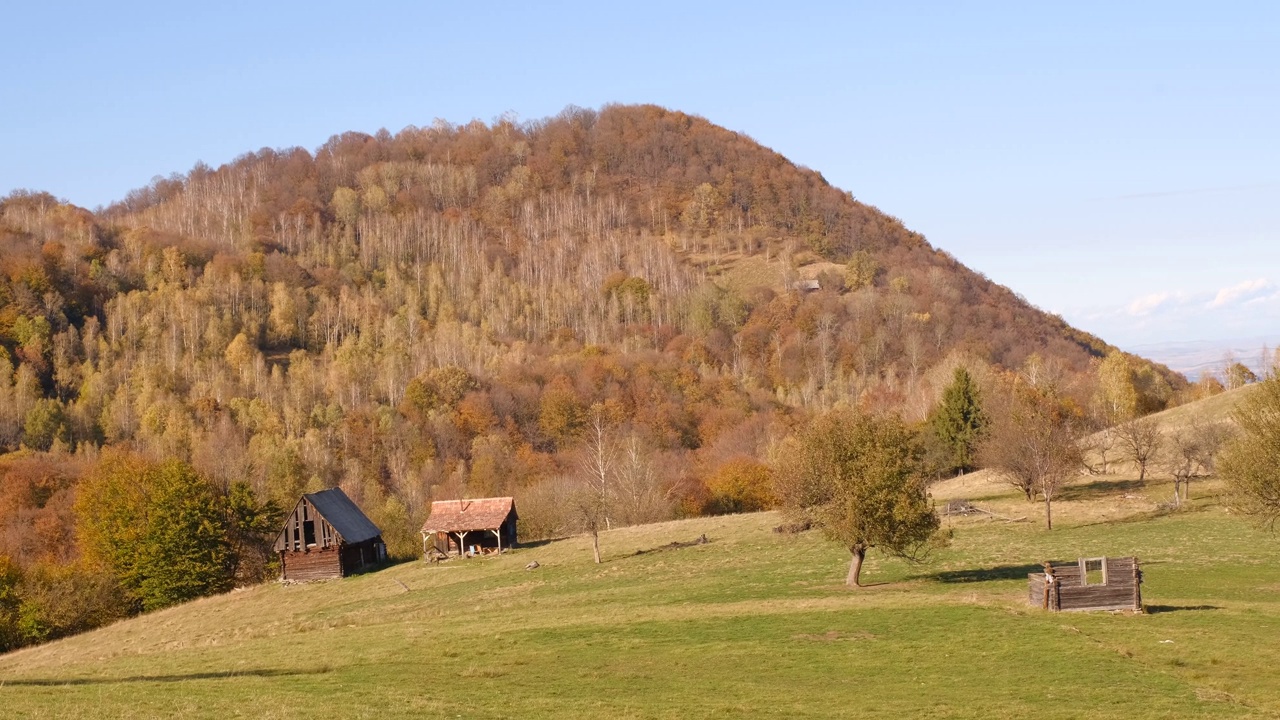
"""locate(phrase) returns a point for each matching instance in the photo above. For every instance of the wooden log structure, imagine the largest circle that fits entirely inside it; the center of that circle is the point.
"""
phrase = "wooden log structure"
(327, 536)
(1088, 584)
(487, 525)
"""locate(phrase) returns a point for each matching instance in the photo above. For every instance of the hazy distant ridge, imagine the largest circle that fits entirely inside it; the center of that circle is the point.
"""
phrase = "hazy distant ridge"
(1194, 357)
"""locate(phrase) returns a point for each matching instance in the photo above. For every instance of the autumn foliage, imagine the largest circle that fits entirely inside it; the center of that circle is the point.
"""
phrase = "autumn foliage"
(434, 313)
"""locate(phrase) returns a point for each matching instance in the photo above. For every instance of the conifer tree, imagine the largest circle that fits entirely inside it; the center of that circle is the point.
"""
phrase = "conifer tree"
(959, 421)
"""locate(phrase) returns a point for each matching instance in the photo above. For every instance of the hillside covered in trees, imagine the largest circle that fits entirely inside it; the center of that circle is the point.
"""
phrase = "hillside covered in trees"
(481, 309)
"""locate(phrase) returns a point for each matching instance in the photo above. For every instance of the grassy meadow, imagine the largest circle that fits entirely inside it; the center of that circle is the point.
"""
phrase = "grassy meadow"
(751, 624)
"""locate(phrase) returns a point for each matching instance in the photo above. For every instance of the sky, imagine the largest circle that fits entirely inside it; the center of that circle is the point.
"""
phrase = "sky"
(1116, 163)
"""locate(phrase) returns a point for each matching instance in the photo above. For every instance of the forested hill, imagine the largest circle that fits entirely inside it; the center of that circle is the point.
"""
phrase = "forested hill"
(447, 310)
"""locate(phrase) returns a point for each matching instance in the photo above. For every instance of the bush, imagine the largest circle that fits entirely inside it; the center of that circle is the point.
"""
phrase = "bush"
(739, 486)
(61, 600)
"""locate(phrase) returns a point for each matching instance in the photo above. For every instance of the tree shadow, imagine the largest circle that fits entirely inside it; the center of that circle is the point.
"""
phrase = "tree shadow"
(1000, 572)
(676, 545)
(524, 544)
(1157, 609)
(226, 674)
(1099, 487)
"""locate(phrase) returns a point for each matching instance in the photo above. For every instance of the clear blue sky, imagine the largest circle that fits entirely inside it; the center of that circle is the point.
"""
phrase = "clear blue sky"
(1118, 163)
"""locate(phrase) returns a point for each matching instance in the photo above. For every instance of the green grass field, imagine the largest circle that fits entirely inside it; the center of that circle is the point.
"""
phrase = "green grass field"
(752, 624)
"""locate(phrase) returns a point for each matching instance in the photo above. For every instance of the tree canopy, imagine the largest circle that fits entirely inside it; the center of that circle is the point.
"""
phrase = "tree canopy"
(160, 527)
(861, 479)
(1250, 463)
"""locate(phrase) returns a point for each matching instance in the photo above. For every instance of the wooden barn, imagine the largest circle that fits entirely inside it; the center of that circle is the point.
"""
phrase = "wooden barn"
(326, 536)
(455, 526)
(1088, 584)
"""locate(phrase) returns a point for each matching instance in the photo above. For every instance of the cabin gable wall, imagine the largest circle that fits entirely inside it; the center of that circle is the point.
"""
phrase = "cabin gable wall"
(305, 528)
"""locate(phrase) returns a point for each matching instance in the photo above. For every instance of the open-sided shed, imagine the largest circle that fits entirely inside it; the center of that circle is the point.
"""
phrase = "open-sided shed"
(326, 536)
(487, 524)
(1088, 584)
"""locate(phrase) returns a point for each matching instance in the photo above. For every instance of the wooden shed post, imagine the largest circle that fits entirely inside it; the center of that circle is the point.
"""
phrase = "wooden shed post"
(1137, 586)
(498, 533)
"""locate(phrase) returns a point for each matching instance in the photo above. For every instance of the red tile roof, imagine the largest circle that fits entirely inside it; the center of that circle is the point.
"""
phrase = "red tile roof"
(463, 515)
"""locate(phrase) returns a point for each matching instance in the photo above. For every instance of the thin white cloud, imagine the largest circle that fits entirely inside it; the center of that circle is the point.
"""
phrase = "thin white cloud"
(1243, 309)
(1243, 292)
(1148, 304)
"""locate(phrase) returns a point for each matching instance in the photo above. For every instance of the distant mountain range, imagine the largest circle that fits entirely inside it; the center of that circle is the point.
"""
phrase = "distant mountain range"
(1195, 357)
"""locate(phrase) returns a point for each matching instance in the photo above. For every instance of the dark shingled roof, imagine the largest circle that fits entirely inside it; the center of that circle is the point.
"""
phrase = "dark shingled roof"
(464, 515)
(335, 507)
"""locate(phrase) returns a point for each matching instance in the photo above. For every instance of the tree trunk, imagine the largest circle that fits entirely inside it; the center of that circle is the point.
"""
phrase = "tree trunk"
(595, 544)
(1048, 512)
(1142, 471)
(853, 579)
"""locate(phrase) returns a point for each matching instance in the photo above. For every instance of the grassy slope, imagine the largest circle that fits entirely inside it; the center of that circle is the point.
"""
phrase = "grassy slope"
(751, 625)
(1216, 409)
(1213, 409)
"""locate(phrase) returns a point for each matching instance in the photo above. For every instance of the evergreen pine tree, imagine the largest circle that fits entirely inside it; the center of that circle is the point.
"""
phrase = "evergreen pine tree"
(958, 421)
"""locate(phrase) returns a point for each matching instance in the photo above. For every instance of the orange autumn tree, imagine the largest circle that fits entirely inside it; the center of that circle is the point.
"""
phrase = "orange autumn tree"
(740, 485)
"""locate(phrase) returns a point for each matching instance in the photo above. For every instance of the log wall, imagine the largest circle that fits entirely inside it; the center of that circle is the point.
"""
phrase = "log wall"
(1122, 590)
(318, 564)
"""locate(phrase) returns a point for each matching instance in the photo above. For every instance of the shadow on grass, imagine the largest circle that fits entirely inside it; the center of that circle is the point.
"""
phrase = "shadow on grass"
(528, 544)
(1000, 572)
(1157, 609)
(257, 672)
(1099, 487)
(675, 545)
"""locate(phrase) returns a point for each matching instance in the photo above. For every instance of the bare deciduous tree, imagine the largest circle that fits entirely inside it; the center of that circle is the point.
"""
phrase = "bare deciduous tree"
(1191, 452)
(1140, 440)
(590, 501)
(637, 496)
(1034, 442)
(1102, 443)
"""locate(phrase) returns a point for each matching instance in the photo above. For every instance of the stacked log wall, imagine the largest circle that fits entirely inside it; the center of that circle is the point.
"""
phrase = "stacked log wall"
(318, 564)
(1121, 591)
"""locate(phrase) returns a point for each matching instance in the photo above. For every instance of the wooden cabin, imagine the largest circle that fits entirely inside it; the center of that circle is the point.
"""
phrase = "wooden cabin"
(481, 526)
(326, 536)
(1088, 584)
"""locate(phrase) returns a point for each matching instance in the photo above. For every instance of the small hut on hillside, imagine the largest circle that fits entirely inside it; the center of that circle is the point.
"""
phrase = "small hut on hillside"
(326, 536)
(456, 526)
(1088, 584)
